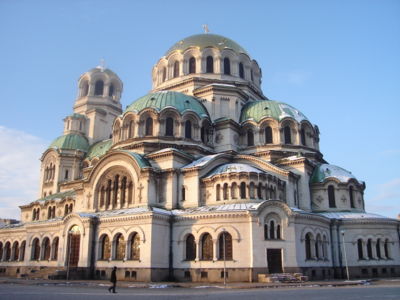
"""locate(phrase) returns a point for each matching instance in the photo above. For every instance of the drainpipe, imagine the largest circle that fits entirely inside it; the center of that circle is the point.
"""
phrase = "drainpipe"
(170, 256)
(92, 267)
(339, 250)
(334, 263)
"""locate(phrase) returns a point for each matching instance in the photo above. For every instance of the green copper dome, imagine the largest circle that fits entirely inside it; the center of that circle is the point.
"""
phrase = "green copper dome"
(206, 40)
(164, 99)
(99, 149)
(71, 142)
(257, 110)
(326, 171)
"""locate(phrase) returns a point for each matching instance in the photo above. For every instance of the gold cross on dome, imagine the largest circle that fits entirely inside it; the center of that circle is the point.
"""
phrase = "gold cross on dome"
(205, 27)
(102, 64)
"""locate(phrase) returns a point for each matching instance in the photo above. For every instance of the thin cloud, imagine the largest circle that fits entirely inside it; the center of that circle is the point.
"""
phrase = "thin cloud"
(19, 170)
(293, 77)
(386, 199)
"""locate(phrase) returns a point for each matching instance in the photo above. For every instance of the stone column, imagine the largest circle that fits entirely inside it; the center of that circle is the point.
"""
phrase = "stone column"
(382, 247)
(365, 250)
(198, 254)
(215, 257)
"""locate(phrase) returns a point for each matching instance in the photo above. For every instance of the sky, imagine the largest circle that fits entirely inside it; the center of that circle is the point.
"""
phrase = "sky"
(337, 62)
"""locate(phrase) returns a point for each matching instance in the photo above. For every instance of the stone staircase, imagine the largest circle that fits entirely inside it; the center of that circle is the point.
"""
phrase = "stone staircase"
(282, 278)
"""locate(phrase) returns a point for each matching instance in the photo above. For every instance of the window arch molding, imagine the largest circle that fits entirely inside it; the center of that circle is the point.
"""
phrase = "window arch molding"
(273, 226)
(187, 55)
(288, 128)
(143, 117)
(128, 125)
(195, 125)
(165, 115)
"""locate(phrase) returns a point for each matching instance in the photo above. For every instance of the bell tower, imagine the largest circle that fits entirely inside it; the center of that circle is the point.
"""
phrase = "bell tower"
(97, 104)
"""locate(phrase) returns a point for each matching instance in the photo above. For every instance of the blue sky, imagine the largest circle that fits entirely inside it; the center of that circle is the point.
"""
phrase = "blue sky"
(336, 61)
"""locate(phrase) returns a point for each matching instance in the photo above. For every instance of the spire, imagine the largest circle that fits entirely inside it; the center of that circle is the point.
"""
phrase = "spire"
(102, 64)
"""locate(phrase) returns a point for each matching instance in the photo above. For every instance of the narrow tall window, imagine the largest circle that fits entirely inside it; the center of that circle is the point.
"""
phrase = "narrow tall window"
(66, 175)
(308, 246)
(15, 251)
(234, 189)
(111, 90)
(206, 247)
(378, 248)
(331, 196)
(98, 88)
(135, 247)
(176, 69)
(22, 251)
(169, 127)
(218, 192)
(47, 249)
(149, 127)
(265, 231)
(351, 195)
(227, 66)
(287, 134)
(192, 65)
(85, 89)
(369, 249)
(35, 249)
(243, 190)
(225, 239)
(272, 230)
(303, 137)
(105, 248)
(225, 191)
(250, 138)
(188, 129)
(190, 248)
(241, 70)
(251, 75)
(268, 135)
(55, 248)
(360, 249)
(210, 64)
(120, 247)
(386, 248)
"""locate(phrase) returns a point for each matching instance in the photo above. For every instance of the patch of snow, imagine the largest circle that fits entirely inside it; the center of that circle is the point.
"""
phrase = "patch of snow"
(289, 111)
(201, 161)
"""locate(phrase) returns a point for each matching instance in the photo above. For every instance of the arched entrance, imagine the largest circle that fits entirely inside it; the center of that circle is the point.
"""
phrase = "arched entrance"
(74, 242)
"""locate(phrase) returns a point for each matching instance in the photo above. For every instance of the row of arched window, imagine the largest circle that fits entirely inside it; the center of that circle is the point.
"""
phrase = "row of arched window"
(16, 252)
(45, 250)
(244, 191)
(204, 248)
(51, 212)
(332, 200)
(119, 248)
(272, 231)
(373, 249)
(49, 172)
(316, 248)
(116, 192)
(209, 68)
(269, 137)
(98, 89)
(36, 214)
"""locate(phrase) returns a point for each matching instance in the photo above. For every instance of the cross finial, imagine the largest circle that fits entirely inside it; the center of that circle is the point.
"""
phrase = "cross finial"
(102, 65)
(205, 27)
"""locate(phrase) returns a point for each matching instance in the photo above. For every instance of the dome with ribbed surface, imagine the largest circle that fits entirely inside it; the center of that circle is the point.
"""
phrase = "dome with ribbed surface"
(258, 110)
(205, 40)
(71, 142)
(169, 99)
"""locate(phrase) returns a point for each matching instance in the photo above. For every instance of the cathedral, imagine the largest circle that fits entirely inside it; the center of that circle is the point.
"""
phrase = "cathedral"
(203, 179)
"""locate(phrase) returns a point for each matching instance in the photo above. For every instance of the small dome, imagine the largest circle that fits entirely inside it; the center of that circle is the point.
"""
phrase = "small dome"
(206, 40)
(257, 110)
(99, 149)
(70, 142)
(234, 168)
(326, 171)
(165, 99)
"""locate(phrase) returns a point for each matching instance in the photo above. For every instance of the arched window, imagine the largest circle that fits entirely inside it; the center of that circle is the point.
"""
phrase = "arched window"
(46, 249)
(317, 246)
(105, 248)
(130, 129)
(49, 211)
(225, 191)
(225, 252)
(303, 137)
(252, 190)
(149, 127)
(308, 246)
(227, 66)
(259, 189)
(278, 232)
(15, 251)
(210, 64)
(7, 249)
(250, 138)
(98, 88)
(111, 90)
(192, 65)
(243, 190)
(241, 70)
(115, 188)
(108, 193)
(85, 88)
(22, 251)
(369, 249)
(70, 208)
(206, 247)
(190, 248)
(378, 248)
(183, 193)
(123, 190)
(120, 247)
(268, 135)
(164, 74)
(134, 246)
(287, 134)
(35, 249)
(272, 230)
(169, 127)
(351, 196)
(176, 69)
(234, 189)
(387, 250)
(188, 129)
(55, 248)
(218, 192)
(360, 249)
(331, 196)
(1, 251)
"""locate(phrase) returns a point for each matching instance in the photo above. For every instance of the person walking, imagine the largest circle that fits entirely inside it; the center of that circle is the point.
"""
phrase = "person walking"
(113, 280)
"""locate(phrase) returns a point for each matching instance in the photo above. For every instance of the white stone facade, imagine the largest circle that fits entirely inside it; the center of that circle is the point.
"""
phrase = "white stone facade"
(203, 172)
